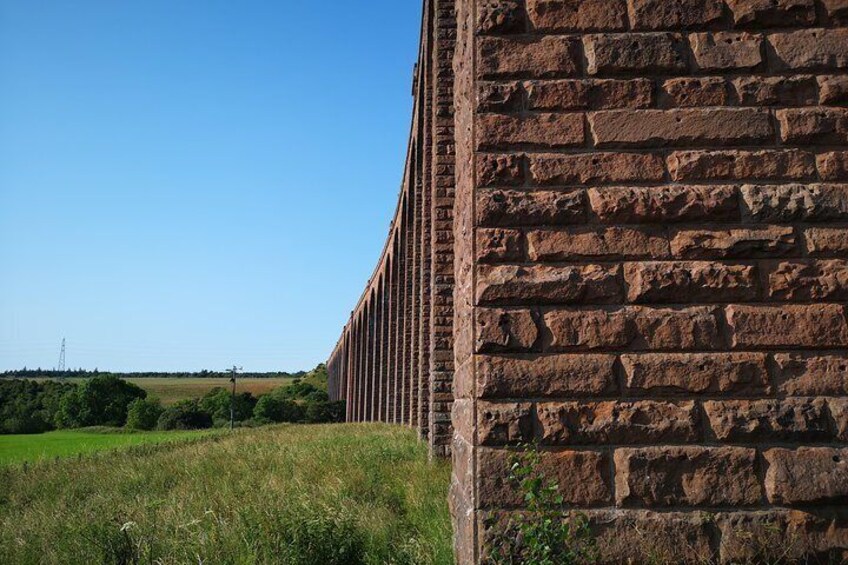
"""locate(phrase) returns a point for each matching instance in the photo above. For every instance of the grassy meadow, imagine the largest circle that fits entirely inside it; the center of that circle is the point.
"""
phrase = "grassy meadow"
(293, 494)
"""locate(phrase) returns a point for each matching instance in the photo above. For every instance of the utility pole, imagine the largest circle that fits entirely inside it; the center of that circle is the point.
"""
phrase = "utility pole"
(234, 370)
(61, 368)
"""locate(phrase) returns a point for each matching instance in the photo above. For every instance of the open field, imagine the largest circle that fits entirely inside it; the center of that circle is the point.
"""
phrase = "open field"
(64, 443)
(330, 494)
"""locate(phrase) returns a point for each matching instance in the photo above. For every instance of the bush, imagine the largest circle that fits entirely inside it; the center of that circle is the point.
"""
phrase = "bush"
(300, 390)
(143, 413)
(184, 415)
(324, 412)
(99, 401)
(216, 403)
(29, 407)
(272, 408)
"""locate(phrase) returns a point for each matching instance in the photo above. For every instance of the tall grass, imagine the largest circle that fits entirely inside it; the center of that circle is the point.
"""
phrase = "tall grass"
(334, 494)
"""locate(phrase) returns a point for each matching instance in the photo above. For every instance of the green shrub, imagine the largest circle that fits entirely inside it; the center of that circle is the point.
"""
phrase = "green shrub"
(99, 401)
(272, 408)
(184, 415)
(30, 407)
(143, 413)
(324, 412)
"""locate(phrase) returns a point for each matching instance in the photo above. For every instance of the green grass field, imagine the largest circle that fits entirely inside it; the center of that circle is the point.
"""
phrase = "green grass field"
(327, 494)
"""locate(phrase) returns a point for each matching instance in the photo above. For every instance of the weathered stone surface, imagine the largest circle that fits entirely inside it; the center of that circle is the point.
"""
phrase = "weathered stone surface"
(833, 89)
(691, 476)
(730, 165)
(557, 95)
(826, 241)
(548, 56)
(776, 91)
(838, 408)
(792, 419)
(573, 15)
(662, 14)
(836, 9)
(814, 325)
(543, 130)
(497, 244)
(675, 328)
(683, 127)
(595, 168)
(771, 241)
(796, 202)
(814, 126)
(588, 329)
(596, 243)
(809, 280)
(505, 330)
(546, 375)
(773, 13)
(811, 374)
(502, 424)
(599, 423)
(543, 284)
(725, 50)
(505, 170)
(689, 281)
(630, 53)
(609, 94)
(500, 16)
(696, 373)
(833, 165)
(806, 475)
(810, 49)
(499, 96)
(696, 91)
(524, 208)
(664, 204)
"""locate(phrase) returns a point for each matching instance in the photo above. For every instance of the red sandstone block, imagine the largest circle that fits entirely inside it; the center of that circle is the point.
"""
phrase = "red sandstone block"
(776, 91)
(547, 56)
(802, 280)
(525, 208)
(696, 373)
(806, 475)
(504, 170)
(791, 419)
(502, 424)
(579, 330)
(833, 165)
(689, 281)
(726, 50)
(499, 96)
(568, 15)
(634, 53)
(688, 476)
(773, 13)
(537, 284)
(598, 423)
(662, 14)
(608, 94)
(811, 374)
(684, 127)
(505, 330)
(583, 94)
(838, 408)
(664, 204)
(813, 126)
(810, 49)
(814, 325)
(596, 243)
(595, 168)
(730, 165)
(544, 130)
(833, 89)
(499, 245)
(836, 9)
(545, 375)
(796, 202)
(826, 241)
(500, 16)
(582, 477)
(736, 243)
(696, 91)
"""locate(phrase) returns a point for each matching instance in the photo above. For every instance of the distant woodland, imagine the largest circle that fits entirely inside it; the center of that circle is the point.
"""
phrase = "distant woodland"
(40, 373)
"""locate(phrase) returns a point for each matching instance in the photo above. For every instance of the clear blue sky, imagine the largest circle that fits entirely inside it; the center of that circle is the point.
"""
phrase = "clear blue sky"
(192, 184)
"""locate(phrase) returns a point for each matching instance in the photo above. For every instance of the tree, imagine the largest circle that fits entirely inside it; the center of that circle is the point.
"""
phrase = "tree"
(272, 408)
(217, 403)
(184, 415)
(143, 413)
(99, 401)
(324, 412)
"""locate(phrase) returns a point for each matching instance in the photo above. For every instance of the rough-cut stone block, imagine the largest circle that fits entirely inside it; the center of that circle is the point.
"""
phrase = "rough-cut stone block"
(696, 91)
(595, 168)
(664, 204)
(608, 94)
(672, 329)
(635, 53)
(814, 126)
(557, 95)
(662, 14)
(577, 15)
(500, 16)
(833, 89)
(726, 50)
(502, 424)
(730, 165)
(502, 208)
(575, 330)
(833, 165)
(696, 373)
(806, 475)
(814, 325)
(796, 202)
(599, 423)
(543, 284)
(792, 419)
(811, 374)
(776, 91)
(689, 476)
(838, 408)
(689, 281)
(810, 49)
(546, 375)
(683, 127)
(836, 9)
(826, 241)
(770, 241)
(825, 280)
(506, 170)
(596, 243)
(772, 13)
(544, 130)
(499, 97)
(499, 245)
(505, 330)
(548, 56)
(582, 477)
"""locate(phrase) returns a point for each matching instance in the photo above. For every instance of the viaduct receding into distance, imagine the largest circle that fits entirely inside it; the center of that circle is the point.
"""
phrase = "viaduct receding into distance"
(622, 234)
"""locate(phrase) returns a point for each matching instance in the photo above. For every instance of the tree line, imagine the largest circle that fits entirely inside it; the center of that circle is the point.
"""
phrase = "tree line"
(40, 373)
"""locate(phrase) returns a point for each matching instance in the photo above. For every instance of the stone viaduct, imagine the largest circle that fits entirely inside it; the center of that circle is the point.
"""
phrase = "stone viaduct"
(622, 234)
